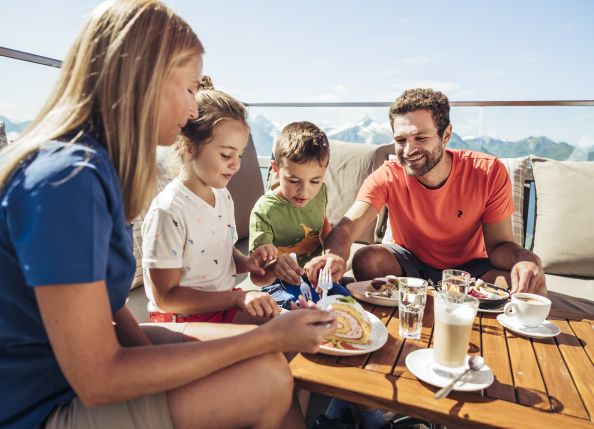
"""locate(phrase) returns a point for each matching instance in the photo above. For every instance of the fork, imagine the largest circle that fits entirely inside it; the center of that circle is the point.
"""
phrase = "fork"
(324, 283)
(304, 288)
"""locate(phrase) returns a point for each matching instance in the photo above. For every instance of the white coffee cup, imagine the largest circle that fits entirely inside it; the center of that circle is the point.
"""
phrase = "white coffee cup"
(529, 309)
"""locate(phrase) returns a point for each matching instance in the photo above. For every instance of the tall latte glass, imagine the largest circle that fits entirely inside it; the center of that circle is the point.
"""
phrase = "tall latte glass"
(454, 316)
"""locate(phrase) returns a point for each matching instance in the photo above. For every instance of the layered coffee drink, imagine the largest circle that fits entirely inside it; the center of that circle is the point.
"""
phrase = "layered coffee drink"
(454, 316)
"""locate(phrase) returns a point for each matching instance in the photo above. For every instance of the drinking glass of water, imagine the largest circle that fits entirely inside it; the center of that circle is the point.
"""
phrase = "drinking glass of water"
(412, 296)
(455, 281)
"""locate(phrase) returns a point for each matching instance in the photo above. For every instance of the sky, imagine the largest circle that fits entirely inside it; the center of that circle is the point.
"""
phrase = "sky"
(346, 50)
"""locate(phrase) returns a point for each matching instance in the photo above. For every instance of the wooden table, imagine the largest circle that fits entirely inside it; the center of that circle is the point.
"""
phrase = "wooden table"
(544, 383)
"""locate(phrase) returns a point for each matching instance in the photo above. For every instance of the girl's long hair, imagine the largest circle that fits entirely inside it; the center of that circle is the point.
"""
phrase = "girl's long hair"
(111, 82)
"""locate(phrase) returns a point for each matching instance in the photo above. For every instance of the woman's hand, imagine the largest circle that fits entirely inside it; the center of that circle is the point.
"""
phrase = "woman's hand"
(288, 270)
(301, 331)
(261, 257)
(258, 304)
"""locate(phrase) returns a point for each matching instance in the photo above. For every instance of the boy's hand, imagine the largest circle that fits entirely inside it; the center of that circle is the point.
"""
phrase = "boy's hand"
(334, 263)
(287, 270)
(258, 304)
(261, 257)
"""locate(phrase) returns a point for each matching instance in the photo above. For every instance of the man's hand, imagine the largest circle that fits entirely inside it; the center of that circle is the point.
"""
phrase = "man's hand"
(528, 276)
(260, 257)
(334, 263)
(258, 304)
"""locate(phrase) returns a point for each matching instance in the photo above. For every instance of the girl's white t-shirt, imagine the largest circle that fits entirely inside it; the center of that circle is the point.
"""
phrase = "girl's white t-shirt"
(181, 230)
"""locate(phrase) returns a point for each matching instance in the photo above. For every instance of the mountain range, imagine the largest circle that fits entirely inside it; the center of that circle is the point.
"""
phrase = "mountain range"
(368, 131)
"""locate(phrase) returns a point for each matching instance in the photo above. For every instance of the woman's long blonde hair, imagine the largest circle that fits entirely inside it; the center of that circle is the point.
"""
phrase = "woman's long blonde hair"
(111, 81)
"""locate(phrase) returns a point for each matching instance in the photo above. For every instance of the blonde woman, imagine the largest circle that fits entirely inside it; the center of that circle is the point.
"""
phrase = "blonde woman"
(71, 354)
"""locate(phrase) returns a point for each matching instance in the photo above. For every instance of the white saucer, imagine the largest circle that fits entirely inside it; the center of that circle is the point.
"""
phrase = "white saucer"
(420, 363)
(545, 330)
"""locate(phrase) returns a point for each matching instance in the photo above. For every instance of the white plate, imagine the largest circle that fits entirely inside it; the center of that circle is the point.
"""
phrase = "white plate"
(358, 290)
(420, 363)
(545, 330)
(377, 338)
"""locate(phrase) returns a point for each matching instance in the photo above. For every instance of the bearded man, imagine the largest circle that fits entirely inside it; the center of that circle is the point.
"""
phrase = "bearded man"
(447, 208)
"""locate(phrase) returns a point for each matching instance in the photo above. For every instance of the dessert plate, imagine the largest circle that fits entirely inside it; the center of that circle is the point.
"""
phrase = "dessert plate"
(545, 330)
(358, 290)
(377, 338)
(420, 363)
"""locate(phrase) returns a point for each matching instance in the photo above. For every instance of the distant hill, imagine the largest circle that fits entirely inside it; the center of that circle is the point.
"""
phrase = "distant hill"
(264, 131)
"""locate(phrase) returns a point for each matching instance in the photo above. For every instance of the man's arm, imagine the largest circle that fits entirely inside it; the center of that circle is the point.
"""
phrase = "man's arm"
(338, 244)
(128, 331)
(525, 267)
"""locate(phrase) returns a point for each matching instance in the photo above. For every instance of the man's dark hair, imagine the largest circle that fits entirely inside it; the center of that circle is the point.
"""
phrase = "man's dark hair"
(423, 99)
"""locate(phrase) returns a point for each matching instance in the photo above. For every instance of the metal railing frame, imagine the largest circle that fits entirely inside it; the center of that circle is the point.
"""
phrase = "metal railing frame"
(264, 160)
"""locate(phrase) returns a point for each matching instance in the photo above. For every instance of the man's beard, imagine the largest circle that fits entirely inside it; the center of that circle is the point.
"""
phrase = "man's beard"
(431, 160)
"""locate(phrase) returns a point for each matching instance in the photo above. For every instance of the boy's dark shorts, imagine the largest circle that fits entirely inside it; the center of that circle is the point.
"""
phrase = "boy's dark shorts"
(413, 267)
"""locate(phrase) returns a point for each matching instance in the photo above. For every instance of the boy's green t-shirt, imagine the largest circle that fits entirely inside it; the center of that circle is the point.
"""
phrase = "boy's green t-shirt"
(290, 229)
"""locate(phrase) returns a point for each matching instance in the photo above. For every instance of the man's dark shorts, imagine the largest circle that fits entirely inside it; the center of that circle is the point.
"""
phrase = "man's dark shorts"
(413, 267)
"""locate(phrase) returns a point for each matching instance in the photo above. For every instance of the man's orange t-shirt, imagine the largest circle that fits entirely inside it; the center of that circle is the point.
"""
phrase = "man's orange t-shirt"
(443, 227)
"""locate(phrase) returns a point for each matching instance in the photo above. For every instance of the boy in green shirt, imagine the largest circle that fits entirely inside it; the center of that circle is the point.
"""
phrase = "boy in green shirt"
(292, 215)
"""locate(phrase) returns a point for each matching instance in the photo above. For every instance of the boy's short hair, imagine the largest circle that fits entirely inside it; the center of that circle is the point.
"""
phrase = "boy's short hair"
(302, 143)
(423, 99)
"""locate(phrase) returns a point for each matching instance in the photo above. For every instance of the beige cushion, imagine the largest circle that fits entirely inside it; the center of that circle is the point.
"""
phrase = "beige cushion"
(519, 172)
(564, 228)
(350, 164)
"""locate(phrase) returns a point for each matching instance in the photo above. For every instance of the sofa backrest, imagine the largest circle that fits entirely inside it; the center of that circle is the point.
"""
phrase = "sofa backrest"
(350, 164)
(245, 188)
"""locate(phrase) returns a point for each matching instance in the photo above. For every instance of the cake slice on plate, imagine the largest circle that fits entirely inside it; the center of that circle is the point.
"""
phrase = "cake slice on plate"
(354, 325)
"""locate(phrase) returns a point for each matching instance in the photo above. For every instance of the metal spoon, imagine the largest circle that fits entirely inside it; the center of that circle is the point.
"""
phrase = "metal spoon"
(474, 363)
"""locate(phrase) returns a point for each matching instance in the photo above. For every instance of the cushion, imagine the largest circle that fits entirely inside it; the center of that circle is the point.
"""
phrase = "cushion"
(350, 164)
(571, 293)
(3, 138)
(519, 172)
(564, 227)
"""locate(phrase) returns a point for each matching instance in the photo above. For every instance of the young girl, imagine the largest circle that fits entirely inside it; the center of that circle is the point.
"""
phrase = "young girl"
(189, 231)
(71, 353)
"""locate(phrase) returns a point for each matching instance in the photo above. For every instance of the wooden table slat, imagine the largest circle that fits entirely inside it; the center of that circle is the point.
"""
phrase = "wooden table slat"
(496, 355)
(530, 388)
(382, 361)
(584, 330)
(459, 410)
(579, 364)
(562, 392)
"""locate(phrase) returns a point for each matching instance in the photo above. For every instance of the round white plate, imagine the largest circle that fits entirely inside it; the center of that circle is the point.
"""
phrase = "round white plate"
(420, 363)
(377, 338)
(358, 290)
(545, 330)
